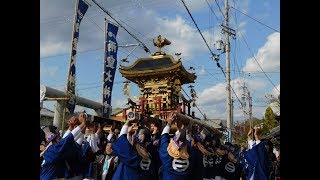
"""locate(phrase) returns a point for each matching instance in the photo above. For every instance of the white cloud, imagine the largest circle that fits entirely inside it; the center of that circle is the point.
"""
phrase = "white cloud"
(201, 71)
(195, 6)
(212, 95)
(256, 85)
(182, 33)
(274, 105)
(212, 100)
(119, 103)
(275, 91)
(268, 56)
(52, 47)
(241, 28)
(182, 36)
(242, 5)
(48, 71)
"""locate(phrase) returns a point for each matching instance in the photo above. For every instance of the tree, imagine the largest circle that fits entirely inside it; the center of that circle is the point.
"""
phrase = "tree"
(269, 121)
(241, 137)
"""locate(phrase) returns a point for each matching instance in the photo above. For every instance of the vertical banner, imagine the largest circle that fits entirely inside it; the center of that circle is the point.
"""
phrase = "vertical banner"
(110, 65)
(81, 8)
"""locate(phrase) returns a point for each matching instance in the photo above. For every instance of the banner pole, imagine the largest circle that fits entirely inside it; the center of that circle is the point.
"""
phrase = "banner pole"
(70, 63)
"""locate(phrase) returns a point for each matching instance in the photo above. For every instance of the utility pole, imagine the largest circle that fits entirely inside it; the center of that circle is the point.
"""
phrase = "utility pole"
(232, 127)
(229, 123)
(250, 109)
(244, 105)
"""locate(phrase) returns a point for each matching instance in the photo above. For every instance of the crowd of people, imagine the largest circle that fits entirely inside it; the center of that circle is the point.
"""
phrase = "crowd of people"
(145, 150)
(151, 150)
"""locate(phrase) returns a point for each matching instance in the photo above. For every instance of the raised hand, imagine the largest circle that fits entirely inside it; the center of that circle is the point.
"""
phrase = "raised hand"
(131, 127)
(171, 118)
(250, 132)
(72, 122)
(82, 117)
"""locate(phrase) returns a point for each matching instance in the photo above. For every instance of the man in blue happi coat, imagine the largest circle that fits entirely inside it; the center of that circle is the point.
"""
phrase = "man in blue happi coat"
(256, 157)
(175, 153)
(59, 151)
(136, 158)
(203, 156)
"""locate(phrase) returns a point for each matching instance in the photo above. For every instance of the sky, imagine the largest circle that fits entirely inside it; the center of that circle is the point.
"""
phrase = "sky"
(254, 52)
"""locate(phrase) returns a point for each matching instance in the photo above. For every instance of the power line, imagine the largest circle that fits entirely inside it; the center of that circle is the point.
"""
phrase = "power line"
(208, 45)
(202, 37)
(258, 63)
(220, 9)
(212, 10)
(80, 52)
(246, 43)
(67, 54)
(197, 106)
(256, 20)
(210, 51)
(235, 49)
(104, 10)
(103, 31)
(95, 23)
(230, 84)
(197, 27)
(194, 103)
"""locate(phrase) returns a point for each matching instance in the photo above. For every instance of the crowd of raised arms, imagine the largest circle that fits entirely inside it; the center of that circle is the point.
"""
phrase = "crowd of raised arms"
(151, 150)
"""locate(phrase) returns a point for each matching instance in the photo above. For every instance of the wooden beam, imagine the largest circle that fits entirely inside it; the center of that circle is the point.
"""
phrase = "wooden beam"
(188, 120)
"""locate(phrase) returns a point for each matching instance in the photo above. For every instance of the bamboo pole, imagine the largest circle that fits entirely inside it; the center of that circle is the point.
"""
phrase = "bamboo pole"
(56, 99)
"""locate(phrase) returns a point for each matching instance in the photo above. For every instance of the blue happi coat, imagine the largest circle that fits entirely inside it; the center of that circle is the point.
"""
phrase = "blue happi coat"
(257, 162)
(54, 164)
(169, 162)
(131, 166)
(203, 166)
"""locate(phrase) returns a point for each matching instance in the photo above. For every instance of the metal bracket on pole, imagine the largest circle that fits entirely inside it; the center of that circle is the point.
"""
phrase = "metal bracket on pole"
(230, 31)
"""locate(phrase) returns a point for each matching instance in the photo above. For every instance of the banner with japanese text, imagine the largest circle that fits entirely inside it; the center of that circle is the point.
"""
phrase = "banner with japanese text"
(81, 9)
(110, 66)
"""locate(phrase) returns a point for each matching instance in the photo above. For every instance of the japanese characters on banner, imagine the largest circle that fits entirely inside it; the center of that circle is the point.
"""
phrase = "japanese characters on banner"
(81, 9)
(110, 65)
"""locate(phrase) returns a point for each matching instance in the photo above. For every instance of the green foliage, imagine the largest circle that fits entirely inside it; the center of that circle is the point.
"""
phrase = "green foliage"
(269, 120)
(242, 137)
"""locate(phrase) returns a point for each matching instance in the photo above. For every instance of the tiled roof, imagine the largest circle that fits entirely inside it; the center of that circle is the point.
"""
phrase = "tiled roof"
(217, 123)
(152, 64)
(274, 132)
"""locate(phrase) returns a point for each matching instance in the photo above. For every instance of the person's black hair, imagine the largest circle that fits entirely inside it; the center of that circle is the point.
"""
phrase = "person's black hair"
(218, 142)
(183, 135)
(236, 148)
(207, 133)
(270, 144)
(156, 122)
(42, 136)
(146, 133)
(53, 129)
